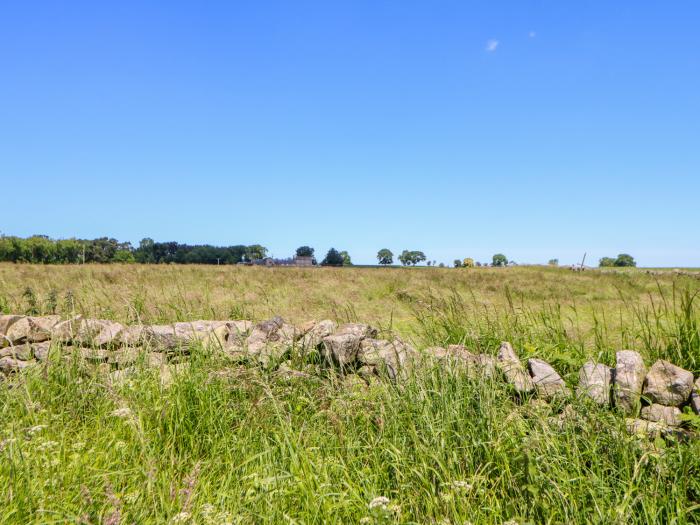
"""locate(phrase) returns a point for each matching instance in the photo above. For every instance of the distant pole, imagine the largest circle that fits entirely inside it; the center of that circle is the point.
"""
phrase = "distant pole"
(217, 261)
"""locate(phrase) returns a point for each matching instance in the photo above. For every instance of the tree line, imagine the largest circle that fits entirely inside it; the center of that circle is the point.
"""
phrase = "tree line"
(43, 250)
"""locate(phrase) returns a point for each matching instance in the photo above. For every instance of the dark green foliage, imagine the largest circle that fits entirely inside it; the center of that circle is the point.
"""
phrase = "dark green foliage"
(42, 250)
(624, 259)
(412, 257)
(499, 260)
(385, 256)
(333, 258)
(305, 251)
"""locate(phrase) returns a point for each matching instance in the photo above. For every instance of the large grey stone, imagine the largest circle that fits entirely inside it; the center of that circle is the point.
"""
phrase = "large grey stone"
(22, 352)
(628, 380)
(360, 329)
(10, 364)
(480, 366)
(395, 358)
(5, 322)
(41, 350)
(695, 397)
(594, 381)
(66, 331)
(547, 381)
(313, 337)
(514, 371)
(98, 333)
(31, 329)
(270, 340)
(668, 384)
(342, 348)
(664, 414)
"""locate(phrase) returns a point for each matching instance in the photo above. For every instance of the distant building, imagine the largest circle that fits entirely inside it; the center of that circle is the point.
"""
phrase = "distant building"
(303, 260)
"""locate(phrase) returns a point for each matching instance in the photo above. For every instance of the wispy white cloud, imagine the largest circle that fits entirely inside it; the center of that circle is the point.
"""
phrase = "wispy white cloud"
(492, 45)
(532, 34)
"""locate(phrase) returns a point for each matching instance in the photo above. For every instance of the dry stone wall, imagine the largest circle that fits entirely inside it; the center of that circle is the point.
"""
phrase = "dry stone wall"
(651, 398)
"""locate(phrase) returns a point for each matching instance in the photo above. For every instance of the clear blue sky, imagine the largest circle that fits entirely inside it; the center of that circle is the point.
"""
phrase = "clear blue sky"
(536, 129)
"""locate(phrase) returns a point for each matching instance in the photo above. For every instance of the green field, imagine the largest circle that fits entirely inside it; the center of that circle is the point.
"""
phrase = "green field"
(232, 442)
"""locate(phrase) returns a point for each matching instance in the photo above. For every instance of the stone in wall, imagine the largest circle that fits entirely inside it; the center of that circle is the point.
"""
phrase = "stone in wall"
(668, 384)
(513, 369)
(628, 380)
(595, 381)
(30, 329)
(547, 381)
(663, 414)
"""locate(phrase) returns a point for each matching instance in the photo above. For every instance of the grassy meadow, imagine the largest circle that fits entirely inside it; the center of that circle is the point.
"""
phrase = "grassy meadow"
(229, 443)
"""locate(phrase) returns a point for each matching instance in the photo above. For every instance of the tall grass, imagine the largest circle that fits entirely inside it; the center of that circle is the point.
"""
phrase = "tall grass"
(225, 444)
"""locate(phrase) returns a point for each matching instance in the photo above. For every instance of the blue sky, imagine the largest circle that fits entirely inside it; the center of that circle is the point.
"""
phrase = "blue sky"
(536, 129)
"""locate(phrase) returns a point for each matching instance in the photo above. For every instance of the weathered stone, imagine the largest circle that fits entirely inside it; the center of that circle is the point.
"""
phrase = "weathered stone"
(270, 340)
(628, 380)
(98, 332)
(211, 334)
(5, 322)
(594, 380)
(394, 357)
(10, 364)
(547, 381)
(31, 329)
(342, 348)
(668, 384)
(477, 366)
(664, 414)
(132, 335)
(41, 350)
(695, 397)
(316, 332)
(644, 428)
(237, 332)
(66, 331)
(22, 352)
(513, 369)
(359, 329)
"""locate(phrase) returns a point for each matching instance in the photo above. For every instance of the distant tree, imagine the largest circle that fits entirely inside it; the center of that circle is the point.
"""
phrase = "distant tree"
(441, 265)
(385, 256)
(333, 258)
(478, 264)
(553, 262)
(457, 263)
(429, 263)
(499, 260)
(625, 259)
(346, 258)
(305, 251)
(468, 262)
(606, 262)
(145, 253)
(411, 258)
(255, 252)
(123, 256)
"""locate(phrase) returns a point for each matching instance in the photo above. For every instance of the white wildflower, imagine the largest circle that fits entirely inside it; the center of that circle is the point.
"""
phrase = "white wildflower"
(123, 413)
(182, 517)
(379, 502)
(35, 429)
(47, 445)
(78, 446)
